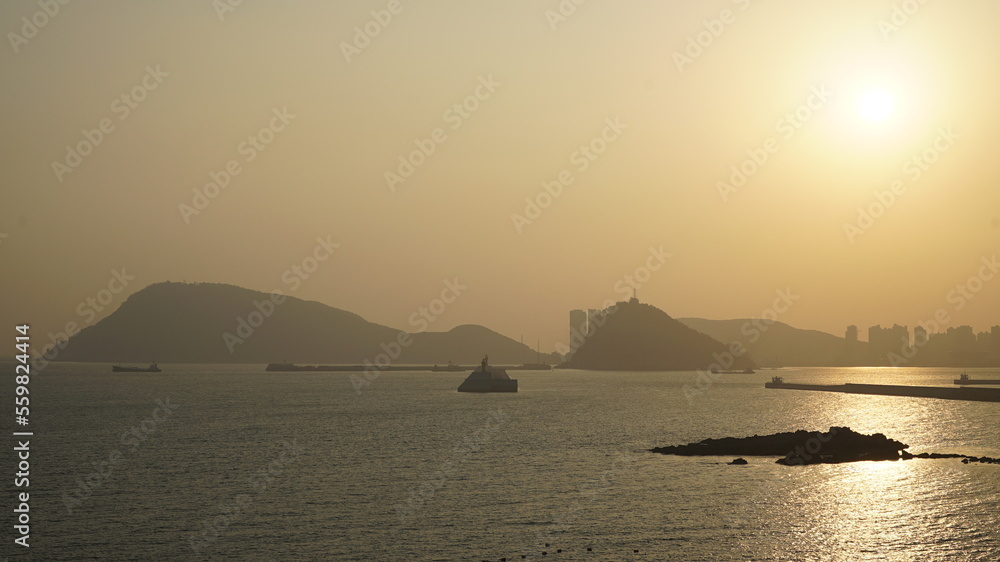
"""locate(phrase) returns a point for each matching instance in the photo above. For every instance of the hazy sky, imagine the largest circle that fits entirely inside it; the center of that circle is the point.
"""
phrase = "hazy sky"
(839, 96)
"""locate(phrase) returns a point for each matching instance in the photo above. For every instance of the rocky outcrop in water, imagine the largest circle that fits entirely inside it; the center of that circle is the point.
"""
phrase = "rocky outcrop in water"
(839, 444)
(966, 459)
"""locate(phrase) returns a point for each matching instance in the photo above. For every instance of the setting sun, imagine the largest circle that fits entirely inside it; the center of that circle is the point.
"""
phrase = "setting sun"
(520, 280)
(877, 105)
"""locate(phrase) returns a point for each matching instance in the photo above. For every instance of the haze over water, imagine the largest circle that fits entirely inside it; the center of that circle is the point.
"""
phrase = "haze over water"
(638, 110)
(563, 461)
(172, 175)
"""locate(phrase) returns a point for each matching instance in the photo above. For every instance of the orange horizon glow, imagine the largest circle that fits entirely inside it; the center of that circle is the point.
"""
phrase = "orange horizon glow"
(538, 158)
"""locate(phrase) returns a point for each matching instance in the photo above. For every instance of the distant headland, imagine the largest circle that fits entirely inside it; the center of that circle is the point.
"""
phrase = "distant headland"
(173, 322)
(216, 323)
(634, 336)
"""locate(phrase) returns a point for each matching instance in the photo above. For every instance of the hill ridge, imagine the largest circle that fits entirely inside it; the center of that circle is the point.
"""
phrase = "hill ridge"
(179, 322)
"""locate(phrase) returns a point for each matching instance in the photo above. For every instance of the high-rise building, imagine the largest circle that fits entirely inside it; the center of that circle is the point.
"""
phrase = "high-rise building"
(898, 337)
(920, 336)
(594, 320)
(884, 341)
(577, 329)
(984, 341)
(962, 339)
(875, 336)
(995, 331)
(851, 334)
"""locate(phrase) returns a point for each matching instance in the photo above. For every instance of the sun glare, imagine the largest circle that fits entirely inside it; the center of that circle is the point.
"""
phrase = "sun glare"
(876, 106)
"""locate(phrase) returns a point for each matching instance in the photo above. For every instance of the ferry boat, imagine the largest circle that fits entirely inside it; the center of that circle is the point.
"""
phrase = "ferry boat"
(488, 379)
(534, 367)
(450, 367)
(153, 368)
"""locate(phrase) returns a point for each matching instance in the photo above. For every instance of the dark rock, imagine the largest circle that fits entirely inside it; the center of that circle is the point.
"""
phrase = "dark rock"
(966, 459)
(839, 444)
(940, 456)
(739, 461)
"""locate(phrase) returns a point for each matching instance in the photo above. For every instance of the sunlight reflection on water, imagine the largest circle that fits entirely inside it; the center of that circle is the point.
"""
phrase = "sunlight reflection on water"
(551, 469)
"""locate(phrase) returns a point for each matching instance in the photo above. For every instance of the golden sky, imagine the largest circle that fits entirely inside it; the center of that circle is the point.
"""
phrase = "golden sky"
(413, 135)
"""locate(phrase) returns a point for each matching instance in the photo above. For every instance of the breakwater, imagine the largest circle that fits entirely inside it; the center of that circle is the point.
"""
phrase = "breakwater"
(944, 393)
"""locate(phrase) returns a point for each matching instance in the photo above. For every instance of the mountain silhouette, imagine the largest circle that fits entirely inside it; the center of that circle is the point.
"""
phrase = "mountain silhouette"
(780, 345)
(640, 337)
(216, 323)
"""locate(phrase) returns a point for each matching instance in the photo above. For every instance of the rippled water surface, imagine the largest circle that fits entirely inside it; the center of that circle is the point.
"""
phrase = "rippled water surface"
(258, 466)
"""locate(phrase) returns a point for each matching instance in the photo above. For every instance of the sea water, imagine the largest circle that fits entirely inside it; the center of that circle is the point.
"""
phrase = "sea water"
(232, 462)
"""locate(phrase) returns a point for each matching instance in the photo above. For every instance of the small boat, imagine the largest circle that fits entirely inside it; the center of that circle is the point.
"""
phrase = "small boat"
(285, 366)
(964, 379)
(153, 368)
(534, 367)
(450, 367)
